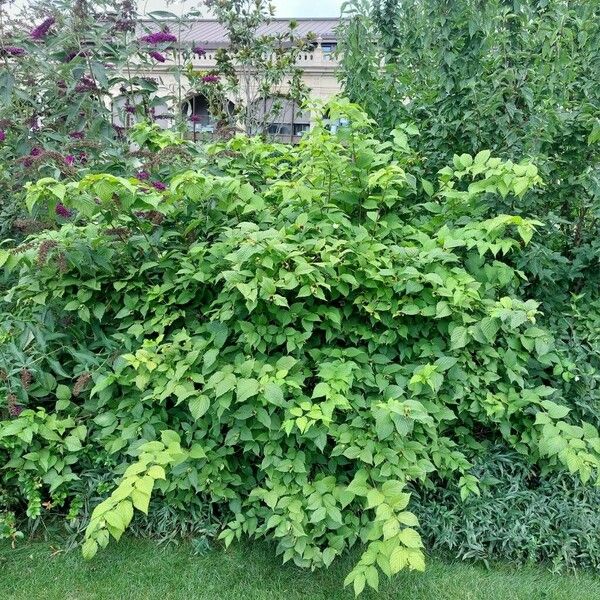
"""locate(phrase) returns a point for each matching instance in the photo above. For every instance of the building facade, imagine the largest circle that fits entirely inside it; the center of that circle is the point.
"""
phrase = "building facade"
(318, 66)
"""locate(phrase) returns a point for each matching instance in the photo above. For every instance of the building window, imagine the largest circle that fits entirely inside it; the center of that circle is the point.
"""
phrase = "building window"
(280, 118)
(197, 114)
(328, 50)
(279, 129)
(300, 129)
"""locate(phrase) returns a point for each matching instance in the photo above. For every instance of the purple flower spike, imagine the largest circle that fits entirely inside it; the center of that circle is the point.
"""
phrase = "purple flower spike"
(159, 185)
(41, 31)
(85, 84)
(37, 151)
(13, 51)
(143, 175)
(199, 51)
(195, 118)
(76, 135)
(2, 135)
(211, 79)
(62, 211)
(159, 37)
(69, 159)
(14, 410)
(157, 56)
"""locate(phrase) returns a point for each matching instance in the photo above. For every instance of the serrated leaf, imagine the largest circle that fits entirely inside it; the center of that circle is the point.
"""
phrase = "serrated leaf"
(140, 500)
(458, 338)
(274, 394)
(246, 388)
(556, 411)
(410, 538)
(198, 406)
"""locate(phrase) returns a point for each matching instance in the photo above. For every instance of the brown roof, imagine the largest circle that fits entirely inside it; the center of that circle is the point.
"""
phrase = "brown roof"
(210, 32)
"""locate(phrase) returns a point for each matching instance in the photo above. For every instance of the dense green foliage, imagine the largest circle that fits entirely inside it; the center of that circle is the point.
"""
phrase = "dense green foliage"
(386, 332)
(517, 77)
(287, 337)
(521, 79)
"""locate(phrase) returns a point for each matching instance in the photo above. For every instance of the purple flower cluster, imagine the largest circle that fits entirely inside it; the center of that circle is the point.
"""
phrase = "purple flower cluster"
(36, 151)
(69, 159)
(157, 56)
(159, 185)
(126, 16)
(199, 51)
(129, 108)
(2, 135)
(143, 175)
(62, 211)
(195, 119)
(211, 79)
(85, 84)
(76, 135)
(159, 37)
(13, 51)
(41, 31)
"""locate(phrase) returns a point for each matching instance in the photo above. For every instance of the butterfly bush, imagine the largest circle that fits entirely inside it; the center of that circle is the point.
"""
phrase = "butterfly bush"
(157, 56)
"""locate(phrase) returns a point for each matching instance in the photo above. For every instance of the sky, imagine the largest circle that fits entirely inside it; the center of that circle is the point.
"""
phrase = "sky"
(285, 8)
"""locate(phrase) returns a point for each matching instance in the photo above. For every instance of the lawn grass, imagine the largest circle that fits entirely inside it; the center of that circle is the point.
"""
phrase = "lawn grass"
(140, 570)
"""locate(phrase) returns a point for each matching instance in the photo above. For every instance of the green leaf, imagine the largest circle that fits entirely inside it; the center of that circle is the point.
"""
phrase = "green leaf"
(141, 500)
(198, 406)
(410, 538)
(63, 392)
(156, 472)
(274, 394)
(458, 338)
(482, 157)
(246, 388)
(359, 584)
(328, 556)
(374, 498)
(125, 511)
(556, 411)
(398, 559)
(89, 549)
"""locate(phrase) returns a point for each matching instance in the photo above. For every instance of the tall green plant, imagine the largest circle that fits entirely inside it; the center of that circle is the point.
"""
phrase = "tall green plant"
(259, 69)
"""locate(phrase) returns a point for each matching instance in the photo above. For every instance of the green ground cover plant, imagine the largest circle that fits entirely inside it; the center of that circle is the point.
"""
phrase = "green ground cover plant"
(287, 340)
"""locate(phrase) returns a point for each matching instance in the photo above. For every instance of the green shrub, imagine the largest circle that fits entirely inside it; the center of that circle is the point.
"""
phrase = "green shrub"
(290, 335)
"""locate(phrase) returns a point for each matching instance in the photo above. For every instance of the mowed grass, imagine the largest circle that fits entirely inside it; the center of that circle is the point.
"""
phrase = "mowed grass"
(140, 570)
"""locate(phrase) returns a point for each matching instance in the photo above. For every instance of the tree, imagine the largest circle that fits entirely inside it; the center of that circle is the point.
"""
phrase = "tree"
(257, 66)
(515, 77)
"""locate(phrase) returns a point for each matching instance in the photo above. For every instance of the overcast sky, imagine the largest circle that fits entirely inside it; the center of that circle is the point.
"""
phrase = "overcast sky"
(285, 8)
